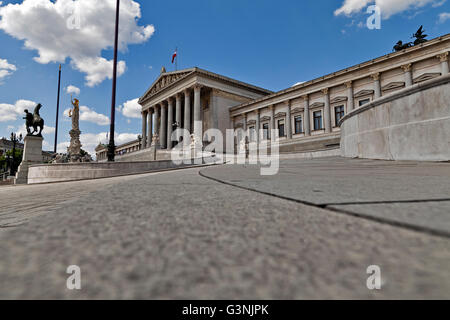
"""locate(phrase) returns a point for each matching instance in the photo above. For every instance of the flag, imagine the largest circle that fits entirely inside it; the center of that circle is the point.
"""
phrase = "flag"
(174, 56)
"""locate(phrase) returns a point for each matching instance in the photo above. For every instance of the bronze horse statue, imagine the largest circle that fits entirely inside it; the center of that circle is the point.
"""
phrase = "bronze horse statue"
(34, 121)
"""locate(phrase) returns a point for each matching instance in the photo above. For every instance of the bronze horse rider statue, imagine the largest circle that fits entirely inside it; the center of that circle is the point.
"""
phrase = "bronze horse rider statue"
(34, 121)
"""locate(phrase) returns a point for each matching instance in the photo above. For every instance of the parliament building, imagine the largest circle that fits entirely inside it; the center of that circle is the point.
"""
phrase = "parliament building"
(308, 117)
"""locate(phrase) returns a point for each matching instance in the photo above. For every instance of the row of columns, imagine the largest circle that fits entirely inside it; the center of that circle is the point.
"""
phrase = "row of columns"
(408, 78)
(165, 112)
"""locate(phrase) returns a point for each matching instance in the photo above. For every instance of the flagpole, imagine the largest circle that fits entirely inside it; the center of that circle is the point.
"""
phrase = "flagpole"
(57, 111)
(176, 59)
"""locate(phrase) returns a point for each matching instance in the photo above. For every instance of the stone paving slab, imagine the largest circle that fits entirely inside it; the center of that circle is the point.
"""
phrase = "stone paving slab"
(411, 193)
(177, 235)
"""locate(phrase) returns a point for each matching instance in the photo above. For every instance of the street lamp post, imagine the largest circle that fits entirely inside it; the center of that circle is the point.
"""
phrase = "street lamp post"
(111, 146)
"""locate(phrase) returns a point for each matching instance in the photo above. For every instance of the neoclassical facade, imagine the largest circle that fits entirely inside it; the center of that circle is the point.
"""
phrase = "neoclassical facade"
(182, 99)
(306, 117)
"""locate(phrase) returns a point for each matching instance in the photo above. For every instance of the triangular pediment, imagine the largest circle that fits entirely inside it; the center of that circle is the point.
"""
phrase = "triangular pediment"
(317, 105)
(427, 76)
(265, 118)
(297, 110)
(364, 93)
(339, 99)
(165, 80)
(393, 85)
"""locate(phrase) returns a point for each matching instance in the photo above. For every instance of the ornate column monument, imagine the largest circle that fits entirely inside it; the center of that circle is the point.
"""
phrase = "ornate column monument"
(74, 149)
(32, 151)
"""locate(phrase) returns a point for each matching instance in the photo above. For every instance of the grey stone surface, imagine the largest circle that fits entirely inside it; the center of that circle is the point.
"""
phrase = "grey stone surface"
(179, 235)
(329, 182)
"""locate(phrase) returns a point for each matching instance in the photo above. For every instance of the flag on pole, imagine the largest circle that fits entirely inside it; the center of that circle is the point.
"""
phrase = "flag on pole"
(174, 55)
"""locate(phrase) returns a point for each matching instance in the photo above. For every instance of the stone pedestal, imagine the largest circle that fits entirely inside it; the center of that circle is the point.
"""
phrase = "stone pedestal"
(155, 146)
(74, 149)
(32, 154)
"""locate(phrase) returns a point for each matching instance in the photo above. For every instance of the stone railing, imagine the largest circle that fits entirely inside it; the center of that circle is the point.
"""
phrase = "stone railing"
(410, 124)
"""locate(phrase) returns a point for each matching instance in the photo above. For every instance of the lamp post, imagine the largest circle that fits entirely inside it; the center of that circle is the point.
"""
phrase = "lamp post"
(14, 140)
(57, 110)
(111, 146)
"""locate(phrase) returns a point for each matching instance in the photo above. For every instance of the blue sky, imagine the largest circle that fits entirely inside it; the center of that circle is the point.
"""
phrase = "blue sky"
(272, 44)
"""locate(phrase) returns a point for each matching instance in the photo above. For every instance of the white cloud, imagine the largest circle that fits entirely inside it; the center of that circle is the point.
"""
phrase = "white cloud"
(91, 140)
(54, 41)
(6, 69)
(444, 16)
(388, 7)
(72, 89)
(298, 83)
(131, 109)
(89, 115)
(10, 112)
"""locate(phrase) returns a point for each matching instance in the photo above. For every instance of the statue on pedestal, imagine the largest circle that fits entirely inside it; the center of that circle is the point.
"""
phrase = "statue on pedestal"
(74, 149)
(34, 121)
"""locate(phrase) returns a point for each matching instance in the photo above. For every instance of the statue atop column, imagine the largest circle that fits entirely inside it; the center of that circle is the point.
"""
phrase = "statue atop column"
(74, 149)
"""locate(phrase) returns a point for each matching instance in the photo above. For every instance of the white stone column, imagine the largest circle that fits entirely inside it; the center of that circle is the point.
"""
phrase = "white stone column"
(187, 110)
(144, 129)
(258, 126)
(150, 127)
(157, 126)
(350, 99)
(245, 123)
(289, 121)
(407, 69)
(376, 84)
(198, 130)
(178, 114)
(327, 111)
(163, 127)
(306, 115)
(443, 57)
(169, 123)
(272, 121)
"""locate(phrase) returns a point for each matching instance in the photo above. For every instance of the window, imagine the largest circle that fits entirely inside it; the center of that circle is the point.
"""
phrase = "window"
(281, 128)
(363, 102)
(339, 113)
(318, 120)
(252, 133)
(298, 124)
(266, 135)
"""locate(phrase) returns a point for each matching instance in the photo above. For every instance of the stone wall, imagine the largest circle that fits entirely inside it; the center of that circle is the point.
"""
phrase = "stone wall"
(96, 170)
(410, 124)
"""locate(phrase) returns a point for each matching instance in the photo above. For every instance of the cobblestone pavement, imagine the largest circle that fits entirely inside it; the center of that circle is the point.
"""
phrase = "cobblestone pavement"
(181, 235)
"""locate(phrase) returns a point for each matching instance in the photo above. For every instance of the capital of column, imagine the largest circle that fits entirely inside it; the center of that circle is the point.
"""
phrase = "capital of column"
(349, 84)
(375, 76)
(197, 87)
(406, 67)
(325, 91)
(443, 56)
(305, 97)
(179, 96)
